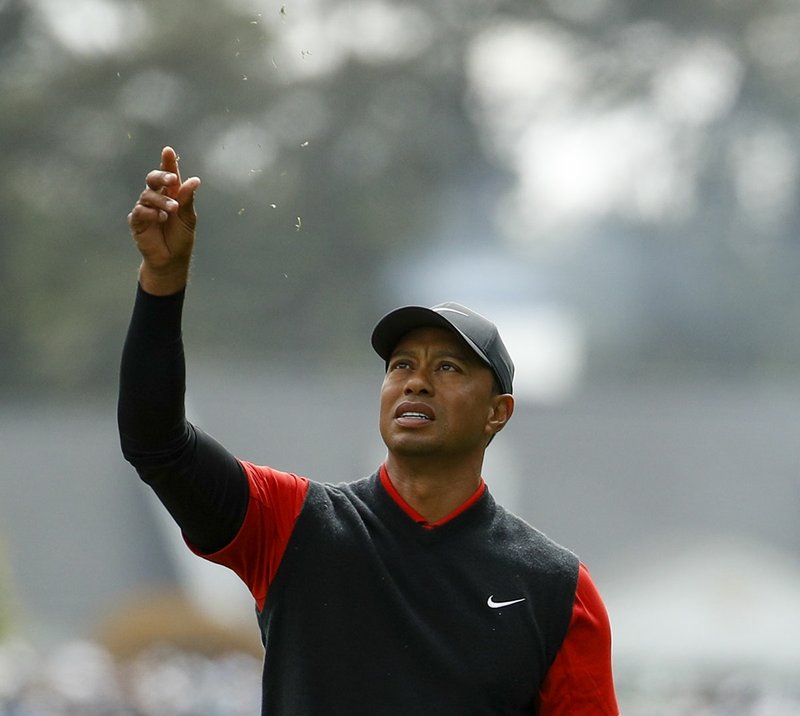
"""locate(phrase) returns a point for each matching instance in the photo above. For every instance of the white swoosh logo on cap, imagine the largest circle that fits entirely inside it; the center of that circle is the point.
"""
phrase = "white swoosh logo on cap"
(452, 310)
(497, 605)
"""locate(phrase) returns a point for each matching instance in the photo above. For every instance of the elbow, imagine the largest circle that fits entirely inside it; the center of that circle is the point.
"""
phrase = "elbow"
(153, 455)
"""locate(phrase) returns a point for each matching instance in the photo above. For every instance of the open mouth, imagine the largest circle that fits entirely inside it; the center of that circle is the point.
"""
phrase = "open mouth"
(414, 413)
(414, 416)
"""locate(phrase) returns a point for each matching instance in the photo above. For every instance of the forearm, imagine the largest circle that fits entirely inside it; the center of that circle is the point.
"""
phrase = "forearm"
(199, 482)
(150, 409)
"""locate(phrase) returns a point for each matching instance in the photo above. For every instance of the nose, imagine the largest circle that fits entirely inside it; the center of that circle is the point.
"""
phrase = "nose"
(418, 383)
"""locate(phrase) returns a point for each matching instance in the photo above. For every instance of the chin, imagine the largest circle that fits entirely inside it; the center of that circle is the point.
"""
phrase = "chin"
(409, 446)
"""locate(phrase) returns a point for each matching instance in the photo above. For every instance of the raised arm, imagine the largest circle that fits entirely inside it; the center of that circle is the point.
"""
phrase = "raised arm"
(201, 484)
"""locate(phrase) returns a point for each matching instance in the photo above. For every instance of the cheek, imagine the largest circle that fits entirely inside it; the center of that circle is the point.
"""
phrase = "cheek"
(386, 397)
(391, 386)
(483, 413)
(385, 413)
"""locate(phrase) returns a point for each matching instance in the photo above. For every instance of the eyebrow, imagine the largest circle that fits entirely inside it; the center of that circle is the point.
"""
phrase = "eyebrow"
(463, 357)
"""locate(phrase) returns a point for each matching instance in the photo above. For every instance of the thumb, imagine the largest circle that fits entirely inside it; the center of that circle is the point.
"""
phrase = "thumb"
(185, 196)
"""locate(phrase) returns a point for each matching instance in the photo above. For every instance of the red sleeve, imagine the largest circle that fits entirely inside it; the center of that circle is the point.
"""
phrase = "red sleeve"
(580, 681)
(272, 509)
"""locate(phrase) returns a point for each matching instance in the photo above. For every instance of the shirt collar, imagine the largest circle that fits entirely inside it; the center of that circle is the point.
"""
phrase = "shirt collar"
(416, 516)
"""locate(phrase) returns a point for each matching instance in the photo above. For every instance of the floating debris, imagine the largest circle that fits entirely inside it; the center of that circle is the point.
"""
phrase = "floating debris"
(299, 224)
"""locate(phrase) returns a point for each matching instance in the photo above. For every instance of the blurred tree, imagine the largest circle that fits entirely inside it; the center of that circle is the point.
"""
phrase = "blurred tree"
(316, 162)
(657, 170)
(333, 137)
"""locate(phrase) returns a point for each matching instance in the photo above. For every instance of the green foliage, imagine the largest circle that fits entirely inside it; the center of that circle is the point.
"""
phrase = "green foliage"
(308, 182)
(328, 151)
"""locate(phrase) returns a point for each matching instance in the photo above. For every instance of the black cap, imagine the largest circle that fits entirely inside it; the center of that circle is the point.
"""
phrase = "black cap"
(478, 332)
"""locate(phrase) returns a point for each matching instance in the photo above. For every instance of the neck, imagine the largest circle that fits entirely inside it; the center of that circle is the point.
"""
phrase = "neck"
(433, 490)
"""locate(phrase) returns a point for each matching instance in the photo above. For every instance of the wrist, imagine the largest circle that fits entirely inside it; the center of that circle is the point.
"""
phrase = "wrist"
(163, 282)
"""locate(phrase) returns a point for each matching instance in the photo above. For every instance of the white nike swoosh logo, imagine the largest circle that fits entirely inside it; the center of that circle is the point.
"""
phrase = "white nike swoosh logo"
(497, 605)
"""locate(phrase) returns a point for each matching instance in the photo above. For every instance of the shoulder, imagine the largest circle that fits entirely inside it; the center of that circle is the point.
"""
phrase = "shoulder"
(533, 546)
(268, 485)
(328, 503)
(360, 490)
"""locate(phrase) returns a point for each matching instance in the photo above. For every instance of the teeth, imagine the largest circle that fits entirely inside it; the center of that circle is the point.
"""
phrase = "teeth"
(418, 416)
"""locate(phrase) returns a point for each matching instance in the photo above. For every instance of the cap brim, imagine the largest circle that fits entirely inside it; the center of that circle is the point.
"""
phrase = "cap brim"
(393, 326)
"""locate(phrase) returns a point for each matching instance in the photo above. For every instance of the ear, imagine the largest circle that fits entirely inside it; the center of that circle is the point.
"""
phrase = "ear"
(502, 409)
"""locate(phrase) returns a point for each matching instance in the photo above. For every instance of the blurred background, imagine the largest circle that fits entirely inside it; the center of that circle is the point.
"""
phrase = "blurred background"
(615, 183)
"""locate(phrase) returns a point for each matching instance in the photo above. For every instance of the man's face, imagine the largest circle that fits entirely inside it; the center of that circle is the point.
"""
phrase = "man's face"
(437, 396)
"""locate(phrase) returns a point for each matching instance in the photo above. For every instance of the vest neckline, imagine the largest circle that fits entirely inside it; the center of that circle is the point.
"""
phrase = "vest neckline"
(468, 508)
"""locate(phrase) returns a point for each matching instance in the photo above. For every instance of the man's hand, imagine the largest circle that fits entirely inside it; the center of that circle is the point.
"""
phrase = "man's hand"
(163, 225)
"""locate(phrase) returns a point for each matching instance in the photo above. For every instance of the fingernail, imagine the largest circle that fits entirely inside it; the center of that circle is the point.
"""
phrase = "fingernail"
(172, 204)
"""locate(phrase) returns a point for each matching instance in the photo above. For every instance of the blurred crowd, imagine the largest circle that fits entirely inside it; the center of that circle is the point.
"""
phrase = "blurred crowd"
(83, 678)
(714, 698)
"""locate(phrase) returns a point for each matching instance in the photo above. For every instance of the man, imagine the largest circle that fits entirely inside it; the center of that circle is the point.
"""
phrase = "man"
(408, 592)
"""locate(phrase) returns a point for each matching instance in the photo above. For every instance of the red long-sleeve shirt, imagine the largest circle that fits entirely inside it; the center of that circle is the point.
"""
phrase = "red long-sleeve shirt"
(243, 516)
(578, 683)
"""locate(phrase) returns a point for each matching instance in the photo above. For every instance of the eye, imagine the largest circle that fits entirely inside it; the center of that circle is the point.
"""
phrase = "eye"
(448, 367)
(399, 364)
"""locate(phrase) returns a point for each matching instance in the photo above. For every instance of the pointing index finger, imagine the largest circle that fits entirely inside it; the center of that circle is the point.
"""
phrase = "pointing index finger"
(169, 164)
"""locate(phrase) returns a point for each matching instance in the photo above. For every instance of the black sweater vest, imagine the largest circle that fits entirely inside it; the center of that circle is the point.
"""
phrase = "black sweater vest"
(370, 613)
